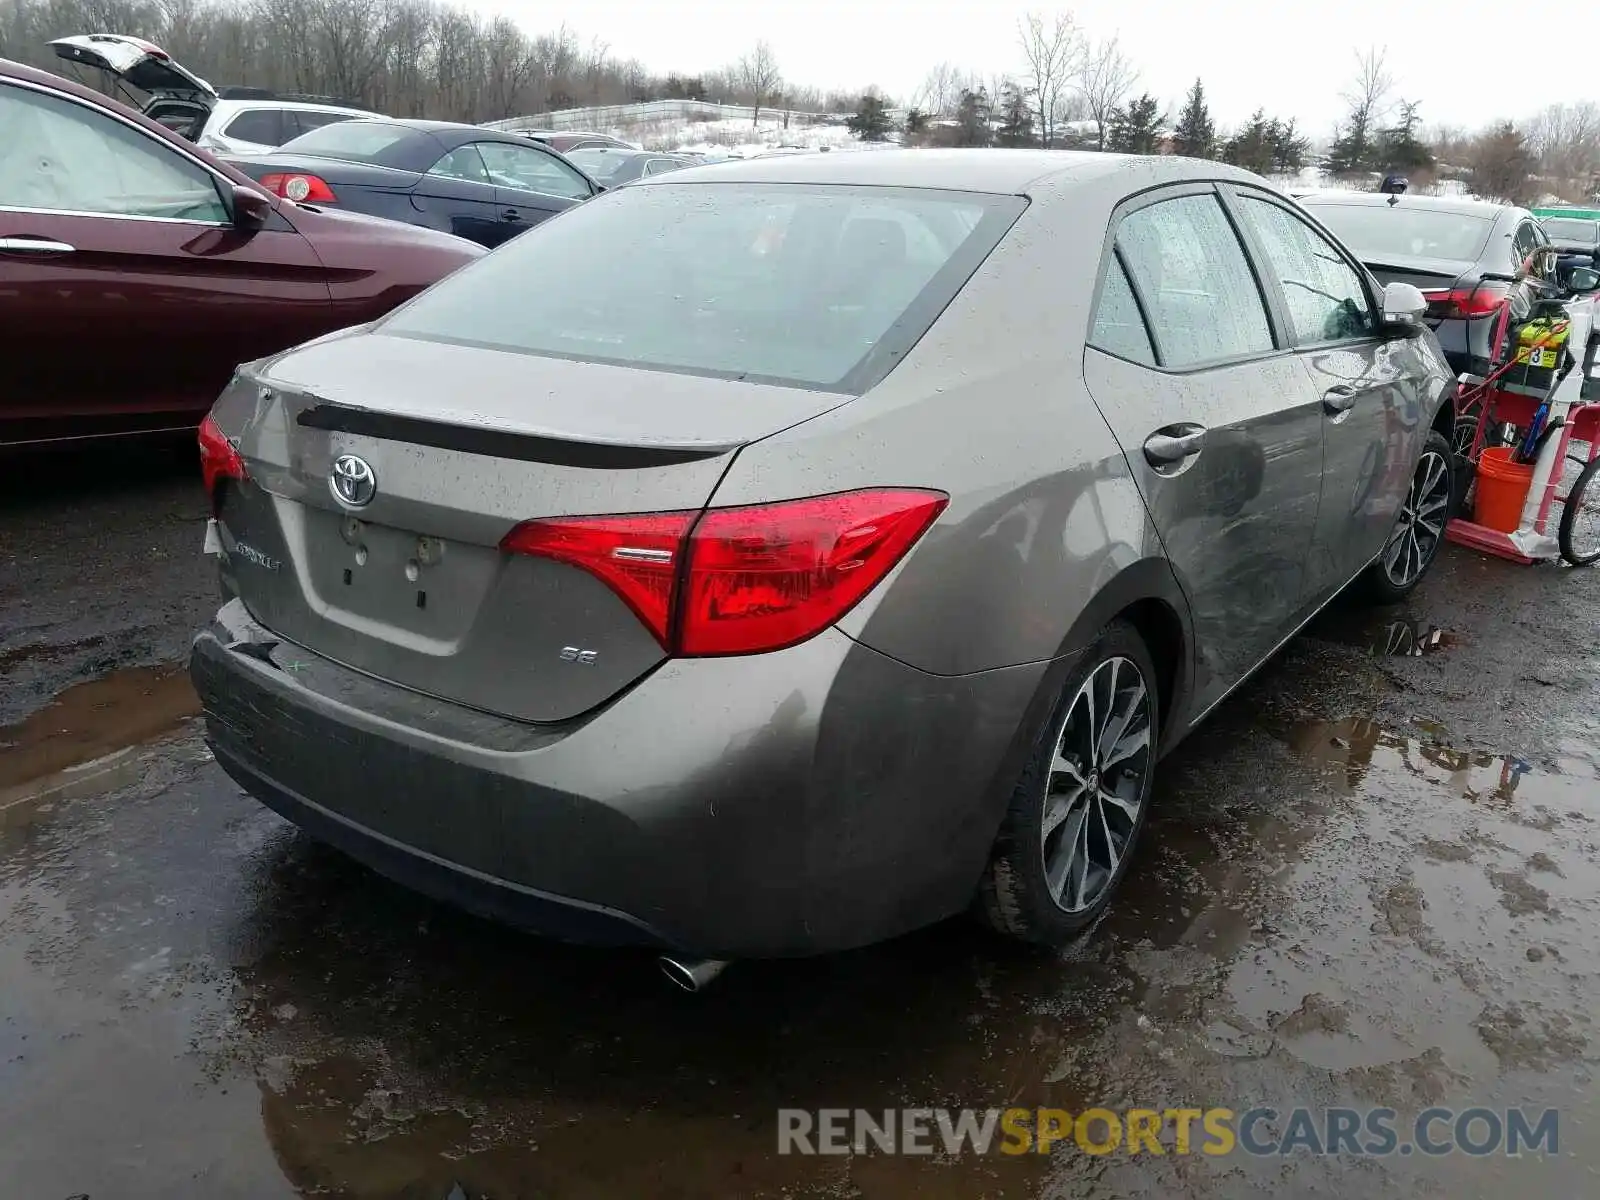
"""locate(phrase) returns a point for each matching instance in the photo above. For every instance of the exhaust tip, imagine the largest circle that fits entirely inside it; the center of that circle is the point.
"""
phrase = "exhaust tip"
(691, 974)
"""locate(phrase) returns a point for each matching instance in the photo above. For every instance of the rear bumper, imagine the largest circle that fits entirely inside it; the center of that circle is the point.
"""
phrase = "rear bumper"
(811, 800)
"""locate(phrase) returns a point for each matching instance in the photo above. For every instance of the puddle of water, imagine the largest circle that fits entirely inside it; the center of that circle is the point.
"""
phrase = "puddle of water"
(1394, 637)
(78, 737)
(1354, 746)
(1412, 639)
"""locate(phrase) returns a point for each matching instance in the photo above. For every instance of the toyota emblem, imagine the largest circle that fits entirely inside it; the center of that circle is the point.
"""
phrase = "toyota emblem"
(352, 481)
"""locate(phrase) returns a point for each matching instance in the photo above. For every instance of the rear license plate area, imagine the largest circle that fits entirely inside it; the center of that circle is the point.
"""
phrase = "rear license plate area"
(413, 581)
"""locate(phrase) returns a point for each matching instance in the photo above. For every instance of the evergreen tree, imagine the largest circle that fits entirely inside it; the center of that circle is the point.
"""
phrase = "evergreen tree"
(871, 122)
(1016, 118)
(916, 123)
(1195, 136)
(1399, 147)
(972, 118)
(1288, 148)
(1136, 127)
(1251, 146)
(1353, 150)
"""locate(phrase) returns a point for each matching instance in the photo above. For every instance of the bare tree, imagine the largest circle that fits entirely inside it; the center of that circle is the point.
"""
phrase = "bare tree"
(1105, 78)
(1053, 52)
(758, 76)
(941, 90)
(1370, 90)
(1566, 140)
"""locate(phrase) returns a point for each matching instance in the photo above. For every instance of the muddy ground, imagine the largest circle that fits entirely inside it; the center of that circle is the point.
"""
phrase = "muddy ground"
(1369, 881)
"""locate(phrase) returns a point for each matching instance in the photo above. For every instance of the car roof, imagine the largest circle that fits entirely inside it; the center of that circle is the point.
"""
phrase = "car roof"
(454, 132)
(1004, 172)
(1448, 204)
(238, 105)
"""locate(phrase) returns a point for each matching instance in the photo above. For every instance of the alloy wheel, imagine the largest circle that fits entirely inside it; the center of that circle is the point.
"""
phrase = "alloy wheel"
(1096, 784)
(1420, 526)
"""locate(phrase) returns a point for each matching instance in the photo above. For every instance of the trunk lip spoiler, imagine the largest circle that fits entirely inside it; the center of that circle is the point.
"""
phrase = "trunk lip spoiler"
(500, 443)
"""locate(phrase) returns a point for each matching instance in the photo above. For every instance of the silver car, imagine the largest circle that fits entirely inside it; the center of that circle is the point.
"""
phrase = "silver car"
(778, 556)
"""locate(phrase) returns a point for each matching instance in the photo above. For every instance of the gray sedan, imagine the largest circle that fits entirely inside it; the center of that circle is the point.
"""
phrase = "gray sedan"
(612, 167)
(783, 555)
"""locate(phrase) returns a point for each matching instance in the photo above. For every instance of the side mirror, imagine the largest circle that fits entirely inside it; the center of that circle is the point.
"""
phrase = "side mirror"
(1583, 279)
(251, 210)
(1403, 308)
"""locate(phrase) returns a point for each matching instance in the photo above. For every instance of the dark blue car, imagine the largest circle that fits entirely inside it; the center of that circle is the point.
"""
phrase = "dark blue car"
(462, 179)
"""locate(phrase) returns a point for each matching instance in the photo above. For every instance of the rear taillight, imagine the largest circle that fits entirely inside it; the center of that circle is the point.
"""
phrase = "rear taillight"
(637, 556)
(299, 187)
(219, 459)
(741, 580)
(1467, 302)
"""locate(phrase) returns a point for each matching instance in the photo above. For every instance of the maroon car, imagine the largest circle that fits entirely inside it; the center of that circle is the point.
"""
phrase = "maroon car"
(136, 271)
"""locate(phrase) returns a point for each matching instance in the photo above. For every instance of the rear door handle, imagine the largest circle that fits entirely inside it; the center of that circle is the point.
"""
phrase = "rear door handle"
(510, 214)
(1173, 444)
(1340, 398)
(34, 245)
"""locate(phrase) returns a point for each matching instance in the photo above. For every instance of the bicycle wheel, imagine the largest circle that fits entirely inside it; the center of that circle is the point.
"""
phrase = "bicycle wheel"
(1580, 519)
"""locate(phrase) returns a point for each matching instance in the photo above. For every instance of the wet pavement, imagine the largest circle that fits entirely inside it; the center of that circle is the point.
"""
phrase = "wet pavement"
(1369, 880)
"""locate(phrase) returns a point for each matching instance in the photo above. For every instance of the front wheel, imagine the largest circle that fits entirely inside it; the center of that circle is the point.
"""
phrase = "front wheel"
(1419, 529)
(1580, 520)
(1076, 814)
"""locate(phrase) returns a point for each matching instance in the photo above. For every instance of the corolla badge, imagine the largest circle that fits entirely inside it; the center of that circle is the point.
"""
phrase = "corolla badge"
(352, 481)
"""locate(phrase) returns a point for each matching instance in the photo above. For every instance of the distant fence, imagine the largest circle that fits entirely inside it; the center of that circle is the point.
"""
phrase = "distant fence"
(649, 112)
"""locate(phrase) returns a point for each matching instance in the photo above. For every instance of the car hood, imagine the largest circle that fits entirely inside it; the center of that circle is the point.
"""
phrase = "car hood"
(136, 62)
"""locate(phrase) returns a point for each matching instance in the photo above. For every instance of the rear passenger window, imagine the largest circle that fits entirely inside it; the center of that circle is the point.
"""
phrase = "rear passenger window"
(308, 120)
(1201, 297)
(1118, 327)
(264, 126)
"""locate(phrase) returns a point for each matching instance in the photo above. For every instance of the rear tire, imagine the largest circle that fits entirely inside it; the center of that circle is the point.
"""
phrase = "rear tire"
(1075, 816)
(1418, 531)
(1579, 537)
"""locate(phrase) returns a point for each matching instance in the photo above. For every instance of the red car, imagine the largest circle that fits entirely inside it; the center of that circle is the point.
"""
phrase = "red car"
(136, 271)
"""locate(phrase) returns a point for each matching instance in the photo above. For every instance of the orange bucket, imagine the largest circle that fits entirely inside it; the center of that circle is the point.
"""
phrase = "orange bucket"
(1502, 489)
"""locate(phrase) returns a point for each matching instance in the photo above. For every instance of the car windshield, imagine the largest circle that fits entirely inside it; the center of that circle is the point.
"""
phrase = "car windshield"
(808, 286)
(601, 165)
(358, 140)
(1379, 230)
(1568, 229)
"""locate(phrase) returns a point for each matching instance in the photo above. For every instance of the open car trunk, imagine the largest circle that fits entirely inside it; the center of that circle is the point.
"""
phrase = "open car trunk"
(463, 444)
(164, 90)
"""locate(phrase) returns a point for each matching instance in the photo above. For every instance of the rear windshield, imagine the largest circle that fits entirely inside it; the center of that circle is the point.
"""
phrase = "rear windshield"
(1376, 230)
(1566, 229)
(358, 140)
(807, 286)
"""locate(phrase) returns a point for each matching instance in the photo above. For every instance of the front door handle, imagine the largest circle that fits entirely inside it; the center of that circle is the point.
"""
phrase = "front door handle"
(1340, 398)
(1173, 444)
(34, 245)
(510, 214)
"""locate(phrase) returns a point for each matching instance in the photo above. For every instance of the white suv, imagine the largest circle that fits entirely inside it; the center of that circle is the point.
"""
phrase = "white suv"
(230, 121)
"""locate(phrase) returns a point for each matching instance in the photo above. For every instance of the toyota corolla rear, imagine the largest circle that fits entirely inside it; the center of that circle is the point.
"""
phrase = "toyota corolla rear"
(489, 628)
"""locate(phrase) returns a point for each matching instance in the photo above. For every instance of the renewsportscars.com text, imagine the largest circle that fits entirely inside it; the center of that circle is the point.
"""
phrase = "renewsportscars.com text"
(1372, 1132)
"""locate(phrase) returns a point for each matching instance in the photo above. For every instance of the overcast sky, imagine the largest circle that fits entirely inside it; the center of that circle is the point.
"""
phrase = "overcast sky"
(1249, 52)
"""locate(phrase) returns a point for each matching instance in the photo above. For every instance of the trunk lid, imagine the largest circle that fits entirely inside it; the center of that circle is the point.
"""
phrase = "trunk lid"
(463, 444)
(138, 63)
(1423, 273)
